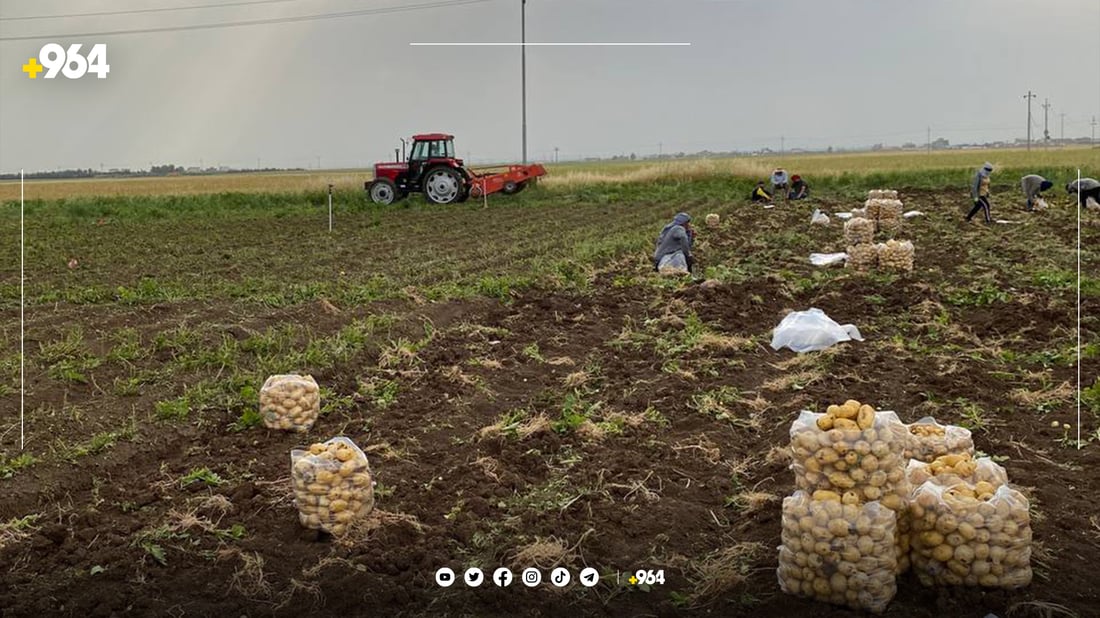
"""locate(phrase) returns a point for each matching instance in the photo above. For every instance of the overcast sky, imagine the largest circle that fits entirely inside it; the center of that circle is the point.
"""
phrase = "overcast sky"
(817, 72)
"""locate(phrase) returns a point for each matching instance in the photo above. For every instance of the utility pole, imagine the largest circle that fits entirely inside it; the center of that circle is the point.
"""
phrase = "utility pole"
(1046, 109)
(1029, 96)
(523, 68)
(555, 154)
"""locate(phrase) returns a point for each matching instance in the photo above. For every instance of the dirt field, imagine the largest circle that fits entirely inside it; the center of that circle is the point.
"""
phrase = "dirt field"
(593, 416)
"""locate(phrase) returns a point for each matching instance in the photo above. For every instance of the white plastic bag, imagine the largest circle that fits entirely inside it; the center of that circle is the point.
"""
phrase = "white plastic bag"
(827, 259)
(1091, 204)
(844, 216)
(819, 218)
(913, 213)
(810, 331)
(1041, 204)
(673, 264)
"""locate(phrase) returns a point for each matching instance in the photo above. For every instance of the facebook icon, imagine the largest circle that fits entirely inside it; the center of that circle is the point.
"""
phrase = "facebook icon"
(502, 577)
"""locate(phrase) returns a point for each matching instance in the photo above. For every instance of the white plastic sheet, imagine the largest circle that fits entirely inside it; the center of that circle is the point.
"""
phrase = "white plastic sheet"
(842, 215)
(827, 259)
(819, 218)
(811, 331)
(913, 213)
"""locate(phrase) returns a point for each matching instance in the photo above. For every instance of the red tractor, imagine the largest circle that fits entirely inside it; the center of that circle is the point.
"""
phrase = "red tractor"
(432, 168)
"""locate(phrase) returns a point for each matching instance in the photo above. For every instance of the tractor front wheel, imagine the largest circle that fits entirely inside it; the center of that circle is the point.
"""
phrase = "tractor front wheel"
(443, 185)
(512, 187)
(383, 191)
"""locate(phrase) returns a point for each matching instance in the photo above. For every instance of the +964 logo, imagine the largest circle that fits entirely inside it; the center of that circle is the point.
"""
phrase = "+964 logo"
(53, 59)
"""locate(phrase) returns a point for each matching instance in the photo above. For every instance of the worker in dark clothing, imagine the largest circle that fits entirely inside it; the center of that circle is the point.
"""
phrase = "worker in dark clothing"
(799, 189)
(1089, 188)
(979, 191)
(674, 244)
(760, 194)
(1033, 185)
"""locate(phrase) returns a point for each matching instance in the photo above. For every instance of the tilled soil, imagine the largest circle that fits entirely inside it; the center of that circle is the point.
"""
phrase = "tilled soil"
(646, 483)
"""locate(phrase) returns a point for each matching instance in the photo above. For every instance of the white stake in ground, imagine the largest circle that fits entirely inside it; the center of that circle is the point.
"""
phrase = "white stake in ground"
(330, 208)
(1079, 385)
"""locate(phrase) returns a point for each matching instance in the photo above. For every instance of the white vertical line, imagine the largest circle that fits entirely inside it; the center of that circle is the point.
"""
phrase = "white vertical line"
(1079, 385)
(22, 302)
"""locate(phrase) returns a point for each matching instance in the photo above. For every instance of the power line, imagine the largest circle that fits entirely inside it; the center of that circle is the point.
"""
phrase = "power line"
(136, 11)
(254, 22)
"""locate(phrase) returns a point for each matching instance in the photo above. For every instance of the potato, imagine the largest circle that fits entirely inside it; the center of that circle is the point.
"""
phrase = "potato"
(332, 485)
(290, 402)
(852, 563)
(713, 220)
(967, 539)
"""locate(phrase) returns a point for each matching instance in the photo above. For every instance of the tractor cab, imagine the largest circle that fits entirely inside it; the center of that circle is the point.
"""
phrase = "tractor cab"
(429, 149)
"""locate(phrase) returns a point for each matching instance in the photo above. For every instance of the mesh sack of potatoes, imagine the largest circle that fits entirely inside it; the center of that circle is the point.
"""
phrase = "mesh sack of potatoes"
(882, 194)
(856, 452)
(859, 230)
(929, 440)
(983, 473)
(889, 227)
(889, 209)
(290, 402)
(862, 257)
(838, 553)
(333, 487)
(961, 538)
(895, 255)
(713, 220)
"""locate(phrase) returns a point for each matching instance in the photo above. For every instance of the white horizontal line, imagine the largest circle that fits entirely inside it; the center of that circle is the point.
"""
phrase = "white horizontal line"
(551, 44)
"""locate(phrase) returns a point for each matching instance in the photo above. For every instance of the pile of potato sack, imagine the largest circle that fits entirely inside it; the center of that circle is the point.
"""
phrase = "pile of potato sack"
(876, 497)
(881, 213)
(332, 482)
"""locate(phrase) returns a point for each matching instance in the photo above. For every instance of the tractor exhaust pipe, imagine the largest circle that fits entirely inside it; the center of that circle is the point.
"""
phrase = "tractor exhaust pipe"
(403, 157)
(395, 155)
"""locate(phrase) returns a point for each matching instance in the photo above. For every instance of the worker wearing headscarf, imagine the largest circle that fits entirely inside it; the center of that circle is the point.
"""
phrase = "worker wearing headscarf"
(1088, 188)
(1033, 185)
(799, 189)
(979, 191)
(676, 237)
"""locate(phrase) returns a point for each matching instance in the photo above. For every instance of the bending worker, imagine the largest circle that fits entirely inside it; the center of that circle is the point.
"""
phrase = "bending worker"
(760, 194)
(979, 190)
(1090, 188)
(674, 244)
(780, 181)
(799, 189)
(1033, 185)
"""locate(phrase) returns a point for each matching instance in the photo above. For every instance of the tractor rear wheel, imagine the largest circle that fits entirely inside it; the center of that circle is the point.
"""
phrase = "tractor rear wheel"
(443, 185)
(512, 187)
(383, 191)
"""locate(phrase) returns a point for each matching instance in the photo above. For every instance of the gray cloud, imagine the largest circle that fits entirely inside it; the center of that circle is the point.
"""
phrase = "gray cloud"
(836, 72)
